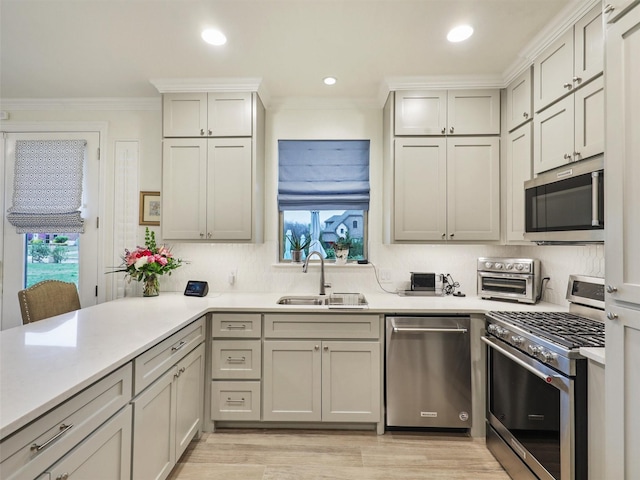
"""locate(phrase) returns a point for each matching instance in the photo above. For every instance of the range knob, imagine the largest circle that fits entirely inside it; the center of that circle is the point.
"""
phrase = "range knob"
(517, 340)
(534, 350)
(508, 266)
(519, 266)
(492, 328)
(548, 356)
(498, 266)
(488, 264)
(501, 332)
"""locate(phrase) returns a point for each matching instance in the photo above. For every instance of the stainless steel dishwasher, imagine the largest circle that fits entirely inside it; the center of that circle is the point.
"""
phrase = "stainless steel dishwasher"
(428, 371)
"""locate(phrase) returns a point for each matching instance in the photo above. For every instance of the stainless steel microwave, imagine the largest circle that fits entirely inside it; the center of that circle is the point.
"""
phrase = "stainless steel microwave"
(566, 205)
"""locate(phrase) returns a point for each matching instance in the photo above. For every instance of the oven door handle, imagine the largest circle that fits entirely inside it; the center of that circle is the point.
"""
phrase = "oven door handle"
(550, 379)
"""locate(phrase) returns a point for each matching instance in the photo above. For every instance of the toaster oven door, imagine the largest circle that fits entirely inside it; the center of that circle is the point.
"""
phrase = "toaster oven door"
(506, 285)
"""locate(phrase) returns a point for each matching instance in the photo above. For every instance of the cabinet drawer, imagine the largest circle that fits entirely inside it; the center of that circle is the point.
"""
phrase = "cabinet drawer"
(235, 400)
(321, 326)
(155, 361)
(246, 325)
(236, 359)
(31, 450)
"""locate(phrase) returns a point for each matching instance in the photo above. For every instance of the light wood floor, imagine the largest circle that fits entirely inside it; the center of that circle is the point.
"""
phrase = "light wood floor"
(336, 455)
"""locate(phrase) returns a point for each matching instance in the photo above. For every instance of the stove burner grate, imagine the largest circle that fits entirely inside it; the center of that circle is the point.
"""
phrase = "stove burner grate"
(566, 329)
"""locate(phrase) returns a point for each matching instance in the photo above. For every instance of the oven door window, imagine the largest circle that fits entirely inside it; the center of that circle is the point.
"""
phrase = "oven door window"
(504, 285)
(563, 205)
(528, 407)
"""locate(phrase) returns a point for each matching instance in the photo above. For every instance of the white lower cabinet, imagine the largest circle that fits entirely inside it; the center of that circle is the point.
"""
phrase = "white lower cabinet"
(104, 455)
(331, 373)
(330, 381)
(167, 416)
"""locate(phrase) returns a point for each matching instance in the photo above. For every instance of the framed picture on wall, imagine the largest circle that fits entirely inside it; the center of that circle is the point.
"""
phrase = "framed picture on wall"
(149, 208)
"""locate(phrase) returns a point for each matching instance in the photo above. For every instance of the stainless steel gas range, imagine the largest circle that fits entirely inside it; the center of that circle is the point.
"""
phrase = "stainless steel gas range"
(537, 384)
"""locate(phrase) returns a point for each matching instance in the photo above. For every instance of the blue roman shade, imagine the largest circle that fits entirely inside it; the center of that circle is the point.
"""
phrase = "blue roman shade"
(323, 175)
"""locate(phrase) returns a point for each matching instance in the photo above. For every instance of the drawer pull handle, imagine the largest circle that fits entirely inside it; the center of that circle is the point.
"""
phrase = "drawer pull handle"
(178, 346)
(229, 400)
(236, 359)
(62, 476)
(236, 327)
(63, 429)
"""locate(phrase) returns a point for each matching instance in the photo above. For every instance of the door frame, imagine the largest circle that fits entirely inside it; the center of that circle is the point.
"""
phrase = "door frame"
(63, 127)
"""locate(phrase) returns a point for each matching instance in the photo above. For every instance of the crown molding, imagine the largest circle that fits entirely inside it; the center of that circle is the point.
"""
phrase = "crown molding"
(219, 84)
(322, 103)
(141, 103)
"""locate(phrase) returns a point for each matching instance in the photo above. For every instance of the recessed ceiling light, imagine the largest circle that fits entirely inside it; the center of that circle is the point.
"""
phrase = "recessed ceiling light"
(214, 37)
(460, 33)
(329, 80)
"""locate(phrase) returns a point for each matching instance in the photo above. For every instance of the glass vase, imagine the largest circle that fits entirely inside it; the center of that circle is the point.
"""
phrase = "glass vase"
(150, 286)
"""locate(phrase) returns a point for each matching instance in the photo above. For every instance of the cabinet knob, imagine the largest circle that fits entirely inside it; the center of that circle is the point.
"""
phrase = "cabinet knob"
(201, 235)
(444, 129)
(577, 80)
(611, 289)
(576, 155)
(451, 130)
(317, 347)
(210, 132)
(568, 86)
(612, 316)
(451, 235)
(525, 115)
(567, 156)
(202, 131)
(608, 8)
(325, 348)
(444, 235)
(208, 234)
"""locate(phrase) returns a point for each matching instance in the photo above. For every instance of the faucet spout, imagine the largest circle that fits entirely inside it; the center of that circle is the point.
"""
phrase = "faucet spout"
(306, 264)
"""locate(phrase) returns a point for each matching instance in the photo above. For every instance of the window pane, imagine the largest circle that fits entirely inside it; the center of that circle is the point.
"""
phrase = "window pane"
(51, 256)
(323, 228)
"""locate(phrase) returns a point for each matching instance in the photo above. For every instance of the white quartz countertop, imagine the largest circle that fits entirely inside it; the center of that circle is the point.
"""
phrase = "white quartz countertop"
(594, 353)
(44, 363)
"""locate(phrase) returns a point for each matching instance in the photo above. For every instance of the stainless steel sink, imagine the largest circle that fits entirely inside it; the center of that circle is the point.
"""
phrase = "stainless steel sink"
(302, 300)
(335, 300)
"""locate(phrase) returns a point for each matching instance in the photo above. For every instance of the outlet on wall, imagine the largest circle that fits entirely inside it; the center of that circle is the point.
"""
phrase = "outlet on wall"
(385, 275)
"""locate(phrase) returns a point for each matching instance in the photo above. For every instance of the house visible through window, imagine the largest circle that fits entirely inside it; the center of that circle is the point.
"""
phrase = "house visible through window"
(323, 195)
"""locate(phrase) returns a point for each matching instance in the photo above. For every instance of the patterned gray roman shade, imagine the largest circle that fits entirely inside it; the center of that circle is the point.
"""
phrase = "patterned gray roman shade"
(47, 186)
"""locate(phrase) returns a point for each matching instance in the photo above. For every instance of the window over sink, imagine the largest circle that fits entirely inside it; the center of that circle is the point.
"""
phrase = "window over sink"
(323, 196)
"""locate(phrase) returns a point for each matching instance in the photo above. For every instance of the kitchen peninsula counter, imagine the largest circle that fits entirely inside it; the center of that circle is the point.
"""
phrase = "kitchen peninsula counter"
(45, 363)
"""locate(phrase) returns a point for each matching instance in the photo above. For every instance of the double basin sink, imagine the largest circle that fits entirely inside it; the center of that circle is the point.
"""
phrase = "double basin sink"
(335, 300)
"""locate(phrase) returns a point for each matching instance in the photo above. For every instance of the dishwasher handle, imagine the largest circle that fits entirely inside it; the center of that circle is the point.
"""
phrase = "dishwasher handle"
(397, 329)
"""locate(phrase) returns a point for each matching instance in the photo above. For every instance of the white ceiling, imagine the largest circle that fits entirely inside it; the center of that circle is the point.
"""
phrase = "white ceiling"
(113, 48)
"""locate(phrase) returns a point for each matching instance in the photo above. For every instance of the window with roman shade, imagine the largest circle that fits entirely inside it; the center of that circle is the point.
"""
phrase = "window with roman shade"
(323, 196)
(323, 174)
(47, 189)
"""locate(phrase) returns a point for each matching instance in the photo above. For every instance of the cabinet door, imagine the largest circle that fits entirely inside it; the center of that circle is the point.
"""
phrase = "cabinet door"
(623, 159)
(589, 46)
(230, 114)
(154, 419)
(519, 100)
(229, 194)
(622, 392)
(292, 381)
(421, 112)
(519, 170)
(420, 182)
(104, 455)
(473, 112)
(473, 188)
(189, 398)
(553, 71)
(184, 189)
(589, 120)
(553, 136)
(184, 114)
(351, 376)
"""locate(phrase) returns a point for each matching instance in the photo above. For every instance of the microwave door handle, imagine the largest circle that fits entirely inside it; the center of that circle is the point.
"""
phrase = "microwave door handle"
(595, 199)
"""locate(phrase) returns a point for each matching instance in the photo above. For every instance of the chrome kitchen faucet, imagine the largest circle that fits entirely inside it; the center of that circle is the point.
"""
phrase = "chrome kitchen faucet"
(306, 264)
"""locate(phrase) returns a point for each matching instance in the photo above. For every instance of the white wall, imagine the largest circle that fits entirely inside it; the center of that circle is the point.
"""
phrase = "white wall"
(256, 266)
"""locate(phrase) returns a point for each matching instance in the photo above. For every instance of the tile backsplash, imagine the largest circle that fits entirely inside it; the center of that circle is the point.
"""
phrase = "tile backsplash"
(254, 268)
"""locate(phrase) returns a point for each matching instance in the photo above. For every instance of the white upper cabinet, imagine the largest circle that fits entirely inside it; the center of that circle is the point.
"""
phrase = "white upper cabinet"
(519, 170)
(571, 61)
(207, 114)
(421, 112)
(520, 100)
(442, 112)
(571, 129)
